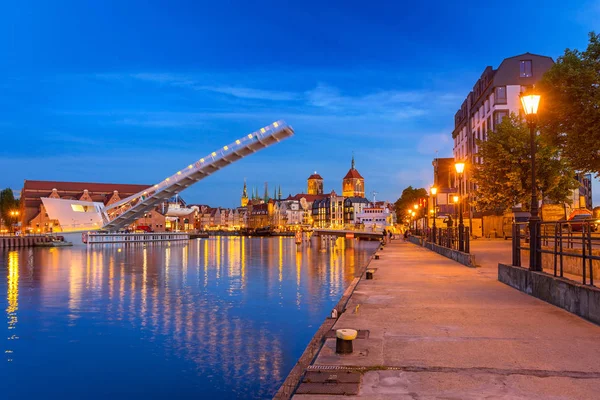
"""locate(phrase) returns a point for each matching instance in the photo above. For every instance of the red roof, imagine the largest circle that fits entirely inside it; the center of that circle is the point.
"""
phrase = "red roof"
(353, 173)
(315, 176)
(101, 192)
(308, 197)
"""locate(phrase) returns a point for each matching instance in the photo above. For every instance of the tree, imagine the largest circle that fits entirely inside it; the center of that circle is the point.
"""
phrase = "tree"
(410, 196)
(504, 177)
(8, 203)
(570, 106)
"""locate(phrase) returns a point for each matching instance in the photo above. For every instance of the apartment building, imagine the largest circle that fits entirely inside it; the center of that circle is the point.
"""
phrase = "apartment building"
(494, 96)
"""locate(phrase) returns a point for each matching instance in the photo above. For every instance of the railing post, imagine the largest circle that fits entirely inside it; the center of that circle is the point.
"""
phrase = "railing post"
(583, 251)
(590, 253)
(516, 240)
(555, 247)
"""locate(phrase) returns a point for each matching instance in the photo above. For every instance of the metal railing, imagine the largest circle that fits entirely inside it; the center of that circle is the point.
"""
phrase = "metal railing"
(568, 249)
(447, 237)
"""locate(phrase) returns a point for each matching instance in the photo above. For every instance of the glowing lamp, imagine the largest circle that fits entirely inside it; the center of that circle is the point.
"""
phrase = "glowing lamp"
(455, 198)
(460, 167)
(530, 103)
(434, 190)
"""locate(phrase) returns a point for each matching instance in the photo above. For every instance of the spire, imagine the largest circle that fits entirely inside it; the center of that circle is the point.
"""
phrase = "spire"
(245, 192)
(279, 194)
(353, 161)
(275, 193)
(266, 192)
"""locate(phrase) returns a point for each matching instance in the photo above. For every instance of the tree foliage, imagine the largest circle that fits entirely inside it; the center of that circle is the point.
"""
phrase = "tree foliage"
(8, 203)
(570, 106)
(504, 178)
(409, 197)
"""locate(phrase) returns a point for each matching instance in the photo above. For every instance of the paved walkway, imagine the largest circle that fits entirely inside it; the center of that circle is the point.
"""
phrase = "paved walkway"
(441, 330)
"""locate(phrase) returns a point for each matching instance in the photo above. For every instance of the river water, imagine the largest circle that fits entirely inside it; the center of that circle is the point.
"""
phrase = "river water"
(222, 318)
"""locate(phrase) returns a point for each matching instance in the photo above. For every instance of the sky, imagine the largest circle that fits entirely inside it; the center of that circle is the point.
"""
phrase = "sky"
(131, 92)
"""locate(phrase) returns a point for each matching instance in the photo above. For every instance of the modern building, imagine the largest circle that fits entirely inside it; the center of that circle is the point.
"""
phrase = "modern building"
(494, 96)
(353, 184)
(34, 217)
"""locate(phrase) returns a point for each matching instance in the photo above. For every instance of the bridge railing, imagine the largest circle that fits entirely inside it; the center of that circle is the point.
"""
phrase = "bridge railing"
(118, 208)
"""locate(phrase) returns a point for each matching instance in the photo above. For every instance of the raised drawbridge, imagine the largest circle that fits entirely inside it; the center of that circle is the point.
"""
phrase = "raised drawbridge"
(123, 213)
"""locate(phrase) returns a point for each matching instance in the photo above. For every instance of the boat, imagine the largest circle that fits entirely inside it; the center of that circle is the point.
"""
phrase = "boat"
(53, 243)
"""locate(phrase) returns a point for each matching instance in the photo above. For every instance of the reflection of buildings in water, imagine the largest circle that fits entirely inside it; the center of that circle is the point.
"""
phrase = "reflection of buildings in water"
(12, 299)
(165, 304)
(171, 294)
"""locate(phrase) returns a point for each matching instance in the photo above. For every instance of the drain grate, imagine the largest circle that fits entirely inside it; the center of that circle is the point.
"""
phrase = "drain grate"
(338, 382)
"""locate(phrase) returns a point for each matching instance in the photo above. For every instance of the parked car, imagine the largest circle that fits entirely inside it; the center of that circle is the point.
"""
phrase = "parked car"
(578, 221)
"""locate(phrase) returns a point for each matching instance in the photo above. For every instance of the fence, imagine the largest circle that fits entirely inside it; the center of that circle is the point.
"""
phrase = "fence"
(447, 237)
(568, 249)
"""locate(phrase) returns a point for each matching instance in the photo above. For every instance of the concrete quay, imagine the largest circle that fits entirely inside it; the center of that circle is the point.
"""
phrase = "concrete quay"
(437, 329)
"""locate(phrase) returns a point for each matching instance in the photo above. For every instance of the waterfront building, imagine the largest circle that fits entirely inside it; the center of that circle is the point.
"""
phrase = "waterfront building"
(353, 207)
(315, 184)
(329, 211)
(377, 217)
(34, 217)
(494, 96)
(260, 215)
(353, 184)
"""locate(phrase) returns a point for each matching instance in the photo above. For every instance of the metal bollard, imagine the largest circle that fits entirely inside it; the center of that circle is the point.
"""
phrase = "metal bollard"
(344, 338)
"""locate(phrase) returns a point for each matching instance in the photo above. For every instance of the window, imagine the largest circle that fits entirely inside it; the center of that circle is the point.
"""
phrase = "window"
(500, 95)
(499, 116)
(525, 69)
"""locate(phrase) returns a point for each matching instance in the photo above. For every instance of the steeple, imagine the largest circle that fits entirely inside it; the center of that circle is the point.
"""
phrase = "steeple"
(244, 201)
(353, 161)
(279, 194)
(266, 192)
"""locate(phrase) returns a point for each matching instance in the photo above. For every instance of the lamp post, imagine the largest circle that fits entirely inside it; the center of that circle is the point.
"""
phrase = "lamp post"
(14, 216)
(460, 168)
(530, 102)
(415, 214)
(434, 194)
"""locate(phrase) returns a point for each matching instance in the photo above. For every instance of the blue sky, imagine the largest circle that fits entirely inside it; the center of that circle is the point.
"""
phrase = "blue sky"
(130, 92)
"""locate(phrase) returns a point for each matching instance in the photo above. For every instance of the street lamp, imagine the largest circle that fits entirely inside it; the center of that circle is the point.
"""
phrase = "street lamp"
(15, 216)
(530, 102)
(460, 168)
(433, 191)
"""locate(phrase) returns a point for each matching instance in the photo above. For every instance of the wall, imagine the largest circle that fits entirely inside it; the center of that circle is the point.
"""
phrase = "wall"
(571, 296)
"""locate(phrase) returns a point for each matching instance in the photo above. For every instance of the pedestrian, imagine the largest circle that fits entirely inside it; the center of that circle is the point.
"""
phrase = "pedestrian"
(384, 233)
(390, 235)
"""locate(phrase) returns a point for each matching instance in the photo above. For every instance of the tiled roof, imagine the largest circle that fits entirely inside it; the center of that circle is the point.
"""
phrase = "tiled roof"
(308, 197)
(353, 173)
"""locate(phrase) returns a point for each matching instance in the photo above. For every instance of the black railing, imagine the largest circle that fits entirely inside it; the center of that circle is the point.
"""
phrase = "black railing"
(573, 248)
(447, 237)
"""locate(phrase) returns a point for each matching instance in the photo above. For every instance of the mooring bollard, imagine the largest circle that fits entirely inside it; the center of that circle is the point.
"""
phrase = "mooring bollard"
(343, 343)
(377, 256)
(369, 274)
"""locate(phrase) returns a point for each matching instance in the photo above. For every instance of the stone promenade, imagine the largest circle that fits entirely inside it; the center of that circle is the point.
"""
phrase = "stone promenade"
(440, 330)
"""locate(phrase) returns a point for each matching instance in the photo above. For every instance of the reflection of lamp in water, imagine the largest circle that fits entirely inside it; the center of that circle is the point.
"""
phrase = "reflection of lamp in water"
(12, 295)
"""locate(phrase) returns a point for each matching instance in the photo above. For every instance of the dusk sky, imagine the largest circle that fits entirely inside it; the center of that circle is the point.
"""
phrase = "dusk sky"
(130, 92)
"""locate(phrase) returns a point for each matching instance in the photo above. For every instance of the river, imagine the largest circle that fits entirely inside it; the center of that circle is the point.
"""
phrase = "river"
(225, 317)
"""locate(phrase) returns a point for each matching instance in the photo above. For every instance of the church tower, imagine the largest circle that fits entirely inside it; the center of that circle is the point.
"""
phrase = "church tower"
(353, 184)
(244, 201)
(315, 184)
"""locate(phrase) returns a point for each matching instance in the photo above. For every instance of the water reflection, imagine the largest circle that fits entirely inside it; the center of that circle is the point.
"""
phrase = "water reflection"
(225, 317)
